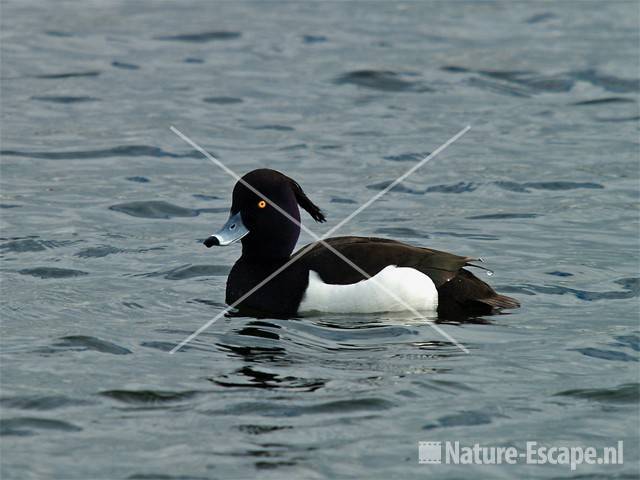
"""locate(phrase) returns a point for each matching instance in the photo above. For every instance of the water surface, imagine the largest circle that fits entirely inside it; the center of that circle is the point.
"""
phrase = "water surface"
(104, 211)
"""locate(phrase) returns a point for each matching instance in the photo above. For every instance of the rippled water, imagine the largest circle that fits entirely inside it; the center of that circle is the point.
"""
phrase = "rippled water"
(104, 210)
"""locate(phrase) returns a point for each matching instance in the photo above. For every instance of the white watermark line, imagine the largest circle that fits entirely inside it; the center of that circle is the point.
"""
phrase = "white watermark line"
(389, 292)
(239, 300)
(214, 159)
(400, 179)
(319, 239)
(294, 220)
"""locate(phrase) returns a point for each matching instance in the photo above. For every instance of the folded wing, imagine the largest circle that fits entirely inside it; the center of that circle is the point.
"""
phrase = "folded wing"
(461, 294)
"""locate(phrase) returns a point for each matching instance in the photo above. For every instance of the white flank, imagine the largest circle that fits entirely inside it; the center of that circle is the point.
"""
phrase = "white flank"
(414, 288)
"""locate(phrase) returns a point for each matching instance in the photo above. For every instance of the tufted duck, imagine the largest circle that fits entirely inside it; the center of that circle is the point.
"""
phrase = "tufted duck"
(425, 279)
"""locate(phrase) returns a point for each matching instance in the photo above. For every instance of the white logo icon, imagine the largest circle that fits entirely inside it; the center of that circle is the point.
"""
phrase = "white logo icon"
(430, 452)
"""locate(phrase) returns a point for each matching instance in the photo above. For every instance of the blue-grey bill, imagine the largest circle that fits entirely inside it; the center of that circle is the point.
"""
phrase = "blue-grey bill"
(231, 232)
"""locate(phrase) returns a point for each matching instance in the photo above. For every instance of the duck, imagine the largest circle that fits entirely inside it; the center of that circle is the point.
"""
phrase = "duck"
(331, 279)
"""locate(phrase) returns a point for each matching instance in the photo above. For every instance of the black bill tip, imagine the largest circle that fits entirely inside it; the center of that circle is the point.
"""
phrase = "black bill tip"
(211, 241)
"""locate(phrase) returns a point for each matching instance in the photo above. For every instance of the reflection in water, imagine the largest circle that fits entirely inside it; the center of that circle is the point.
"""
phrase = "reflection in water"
(355, 342)
(257, 351)
(260, 379)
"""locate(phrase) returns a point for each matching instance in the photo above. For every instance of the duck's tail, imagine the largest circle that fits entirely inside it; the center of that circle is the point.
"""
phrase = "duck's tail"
(466, 296)
(500, 302)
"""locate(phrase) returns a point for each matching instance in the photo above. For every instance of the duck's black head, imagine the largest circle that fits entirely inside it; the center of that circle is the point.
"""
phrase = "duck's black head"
(265, 232)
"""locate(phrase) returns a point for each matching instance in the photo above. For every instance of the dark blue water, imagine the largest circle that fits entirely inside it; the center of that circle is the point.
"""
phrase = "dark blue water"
(104, 210)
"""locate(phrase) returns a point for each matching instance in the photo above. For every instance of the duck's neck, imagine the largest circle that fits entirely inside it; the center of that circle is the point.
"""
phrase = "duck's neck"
(277, 296)
(248, 272)
(272, 247)
(263, 262)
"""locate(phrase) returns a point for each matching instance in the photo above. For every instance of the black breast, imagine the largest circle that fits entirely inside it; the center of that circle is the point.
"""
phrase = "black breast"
(280, 296)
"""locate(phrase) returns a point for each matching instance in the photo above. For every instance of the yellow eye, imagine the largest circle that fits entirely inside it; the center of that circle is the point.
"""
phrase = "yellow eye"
(262, 204)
